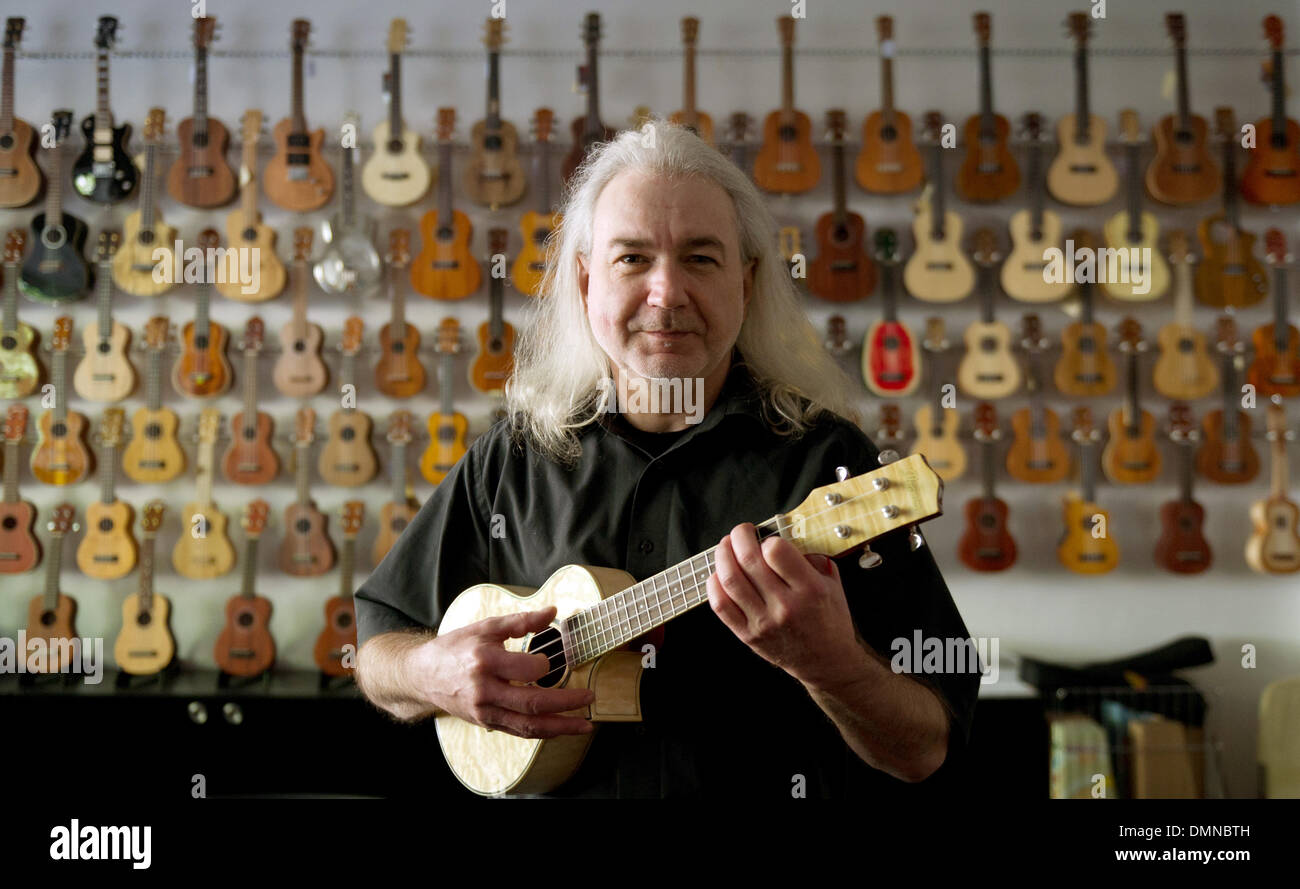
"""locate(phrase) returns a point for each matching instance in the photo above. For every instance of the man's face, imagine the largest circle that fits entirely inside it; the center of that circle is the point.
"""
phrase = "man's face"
(664, 288)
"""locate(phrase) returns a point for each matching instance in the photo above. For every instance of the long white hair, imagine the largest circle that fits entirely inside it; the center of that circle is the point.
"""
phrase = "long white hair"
(563, 380)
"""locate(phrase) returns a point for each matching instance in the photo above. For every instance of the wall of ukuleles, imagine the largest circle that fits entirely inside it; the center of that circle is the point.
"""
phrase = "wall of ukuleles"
(217, 436)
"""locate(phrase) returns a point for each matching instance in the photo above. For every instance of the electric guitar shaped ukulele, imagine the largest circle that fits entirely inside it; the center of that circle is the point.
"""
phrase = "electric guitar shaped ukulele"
(399, 373)
(104, 372)
(55, 270)
(989, 171)
(250, 459)
(19, 549)
(300, 372)
(493, 176)
(445, 268)
(891, 354)
(842, 271)
(1184, 370)
(146, 240)
(348, 459)
(61, 456)
(447, 428)
(936, 426)
(938, 270)
(1131, 456)
(1134, 232)
(396, 175)
(537, 224)
(586, 645)
(153, 454)
(20, 371)
(298, 178)
(1081, 175)
(987, 545)
(988, 369)
(50, 615)
(108, 551)
(144, 645)
(104, 172)
(339, 637)
(203, 550)
(1226, 455)
(1033, 232)
(401, 506)
(1086, 546)
(690, 117)
(1037, 455)
(588, 130)
(1183, 171)
(202, 369)
(201, 176)
(245, 229)
(21, 179)
(1182, 547)
(305, 549)
(1273, 172)
(889, 162)
(496, 336)
(245, 646)
(1229, 276)
(1276, 368)
(1084, 368)
(1274, 545)
(787, 162)
(350, 263)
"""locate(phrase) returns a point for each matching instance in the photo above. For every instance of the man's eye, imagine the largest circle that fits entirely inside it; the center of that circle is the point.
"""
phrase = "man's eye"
(630, 256)
(704, 257)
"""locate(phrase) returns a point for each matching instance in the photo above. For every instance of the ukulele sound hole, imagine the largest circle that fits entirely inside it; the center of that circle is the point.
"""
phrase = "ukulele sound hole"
(47, 618)
(146, 237)
(988, 344)
(1185, 345)
(144, 618)
(59, 430)
(7, 141)
(343, 621)
(787, 133)
(1087, 346)
(348, 434)
(250, 434)
(548, 642)
(399, 348)
(103, 347)
(302, 526)
(245, 619)
(395, 146)
(200, 342)
(540, 235)
(492, 143)
(299, 346)
(201, 527)
(250, 234)
(8, 343)
(398, 526)
(888, 134)
(9, 523)
(105, 525)
(153, 430)
(988, 522)
(1184, 137)
(891, 343)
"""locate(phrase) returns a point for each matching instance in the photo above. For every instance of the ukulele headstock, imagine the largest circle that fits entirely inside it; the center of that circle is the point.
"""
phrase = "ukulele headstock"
(14, 31)
(110, 427)
(446, 123)
(1031, 125)
(399, 427)
(983, 28)
(155, 122)
(933, 127)
(1226, 338)
(61, 120)
(15, 245)
(1273, 31)
(397, 34)
(1180, 248)
(1079, 24)
(785, 27)
(543, 120)
(591, 29)
(1182, 426)
(353, 327)
(1084, 432)
(690, 30)
(155, 333)
(1032, 337)
(62, 520)
(837, 339)
(1130, 336)
(790, 241)
(498, 239)
(62, 333)
(1277, 430)
(299, 34)
(884, 28)
(891, 424)
(886, 244)
(254, 333)
(16, 423)
(302, 237)
(354, 513)
(399, 248)
(107, 243)
(1275, 247)
(494, 33)
(986, 422)
(1225, 124)
(738, 127)
(209, 239)
(1130, 127)
(153, 516)
(250, 126)
(209, 425)
(106, 32)
(836, 122)
(987, 254)
(205, 31)
(936, 335)
(304, 427)
(1176, 25)
(449, 336)
(1083, 239)
(254, 520)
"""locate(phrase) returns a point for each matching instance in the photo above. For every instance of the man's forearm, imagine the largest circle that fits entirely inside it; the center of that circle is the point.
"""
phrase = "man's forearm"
(388, 671)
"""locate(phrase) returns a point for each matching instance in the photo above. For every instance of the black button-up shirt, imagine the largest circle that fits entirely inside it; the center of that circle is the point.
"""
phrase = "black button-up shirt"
(718, 719)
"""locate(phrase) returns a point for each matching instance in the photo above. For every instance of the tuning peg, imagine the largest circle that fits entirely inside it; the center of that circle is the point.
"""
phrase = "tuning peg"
(841, 473)
(914, 538)
(887, 456)
(869, 558)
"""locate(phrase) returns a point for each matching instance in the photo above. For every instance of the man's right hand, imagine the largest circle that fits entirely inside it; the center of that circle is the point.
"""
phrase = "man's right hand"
(468, 673)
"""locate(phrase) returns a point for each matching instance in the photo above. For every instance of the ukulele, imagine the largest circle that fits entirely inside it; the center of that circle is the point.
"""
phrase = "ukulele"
(891, 355)
(50, 615)
(147, 242)
(1229, 276)
(987, 545)
(1133, 232)
(202, 369)
(104, 172)
(1081, 175)
(1131, 456)
(588, 131)
(1183, 171)
(350, 263)
(890, 434)
(246, 230)
(55, 269)
(305, 550)
(1226, 455)
(245, 646)
(340, 630)
(989, 171)
(447, 428)
(61, 456)
(153, 454)
(936, 426)
(145, 644)
(1273, 172)
(1276, 368)
(1037, 455)
(108, 551)
(988, 370)
(738, 125)
(19, 549)
(496, 336)
(837, 338)
(690, 117)
(203, 550)
(1033, 232)
(938, 270)
(537, 224)
(201, 176)
(299, 371)
(1274, 545)
(1082, 549)
(250, 460)
(842, 271)
(401, 507)
(1182, 547)
(21, 179)
(399, 373)
(1084, 368)
(493, 176)
(787, 162)
(592, 621)
(298, 178)
(104, 372)
(348, 459)
(889, 162)
(20, 371)
(1184, 370)
(396, 175)
(444, 268)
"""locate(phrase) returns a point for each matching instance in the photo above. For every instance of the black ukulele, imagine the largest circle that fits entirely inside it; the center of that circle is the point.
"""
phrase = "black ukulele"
(55, 269)
(104, 172)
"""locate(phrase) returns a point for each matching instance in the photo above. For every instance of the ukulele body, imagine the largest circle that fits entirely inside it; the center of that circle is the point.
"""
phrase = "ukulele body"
(1223, 461)
(300, 372)
(787, 162)
(1183, 171)
(348, 458)
(305, 549)
(271, 273)
(298, 187)
(108, 551)
(989, 171)
(1131, 459)
(396, 174)
(1022, 272)
(493, 176)
(988, 370)
(446, 445)
(153, 454)
(986, 545)
(61, 459)
(340, 631)
(1272, 174)
(202, 369)
(1182, 547)
(842, 271)
(215, 186)
(940, 446)
(1273, 372)
(1081, 174)
(105, 189)
(1184, 370)
(1079, 550)
(889, 162)
(530, 264)
(51, 626)
(20, 373)
(1085, 367)
(1155, 278)
(245, 646)
(891, 359)
(1274, 547)
(444, 268)
(1037, 460)
(134, 263)
(1228, 273)
(250, 460)
(18, 155)
(938, 270)
(393, 521)
(104, 373)
(20, 551)
(399, 373)
(209, 555)
(145, 645)
(495, 360)
(54, 270)
(350, 264)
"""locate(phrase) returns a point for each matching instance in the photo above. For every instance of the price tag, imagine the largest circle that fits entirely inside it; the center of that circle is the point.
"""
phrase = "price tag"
(1169, 85)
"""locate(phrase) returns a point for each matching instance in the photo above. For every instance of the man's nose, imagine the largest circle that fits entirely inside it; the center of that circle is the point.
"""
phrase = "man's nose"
(667, 284)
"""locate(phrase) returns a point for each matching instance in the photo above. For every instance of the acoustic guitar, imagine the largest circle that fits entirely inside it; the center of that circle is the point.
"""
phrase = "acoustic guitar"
(147, 241)
(891, 354)
(339, 637)
(300, 372)
(1272, 174)
(350, 263)
(21, 179)
(51, 614)
(1033, 231)
(245, 229)
(1274, 544)
(588, 131)
(144, 645)
(496, 336)
(1084, 368)
(55, 270)
(493, 175)
(1183, 171)
(104, 172)
(689, 116)
(842, 271)
(153, 454)
(988, 369)
(537, 224)
(1229, 275)
(203, 550)
(938, 270)
(1081, 174)
(202, 369)
(989, 171)
(586, 644)
(20, 371)
(1037, 455)
(401, 506)
(1182, 547)
(108, 551)
(447, 427)
(1226, 454)
(245, 646)
(61, 456)
(936, 425)
(397, 174)
(348, 459)
(201, 176)
(987, 545)
(19, 549)
(399, 373)
(104, 372)
(1086, 545)
(305, 549)
(1131, 456)
(1133, 232)
(297, 177)
(445, 268)
(889, 162)
(1276, 368)
(1184, 370)
(250, 459)
(787, 162)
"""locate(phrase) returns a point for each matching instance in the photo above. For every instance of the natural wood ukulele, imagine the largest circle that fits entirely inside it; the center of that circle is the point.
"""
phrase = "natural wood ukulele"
(20, 371)
(399, 373)
(348, 458)
(1134, 229)
(202, 369)
(245, 229)
(145, 644)
(55, 270)
(1226, 455)
(987, 545)
(989, 172)
(245, 646)
(1274, 544)
(21, 179)
(153, 454)
(396, 174)
(305, 549)
(61, 456)
(1084, 368)
(938, 270)
(1229, 275)
(496, 336)
(108, 551)
(447, 427)
(889, 162)
(1037, 455)
(1273, 172)
(250, 460)
(537, 224)
(51, 614)
(1081, 174)
(147, 241)
(690, 117)
(401, 506)
(842, 271)
(936, 426)
(1086, 546)
(1182, 547)
(988, 369)
(1033, 231)
(1131, 456)
(350, 263)
(339, 637)
(104, 372)
(787, 162)
(588, 130)
(1276, 368)
(493, 175)
(104, 172)
(300, 372)
(891, 353)
(19, 549)
(1183, 171)
(203, 550)
(445, 268)
(298, 178)
(201, 176)
(1184, 370)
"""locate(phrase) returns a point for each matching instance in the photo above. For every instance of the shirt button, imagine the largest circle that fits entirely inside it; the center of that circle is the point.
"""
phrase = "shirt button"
(646, 546)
